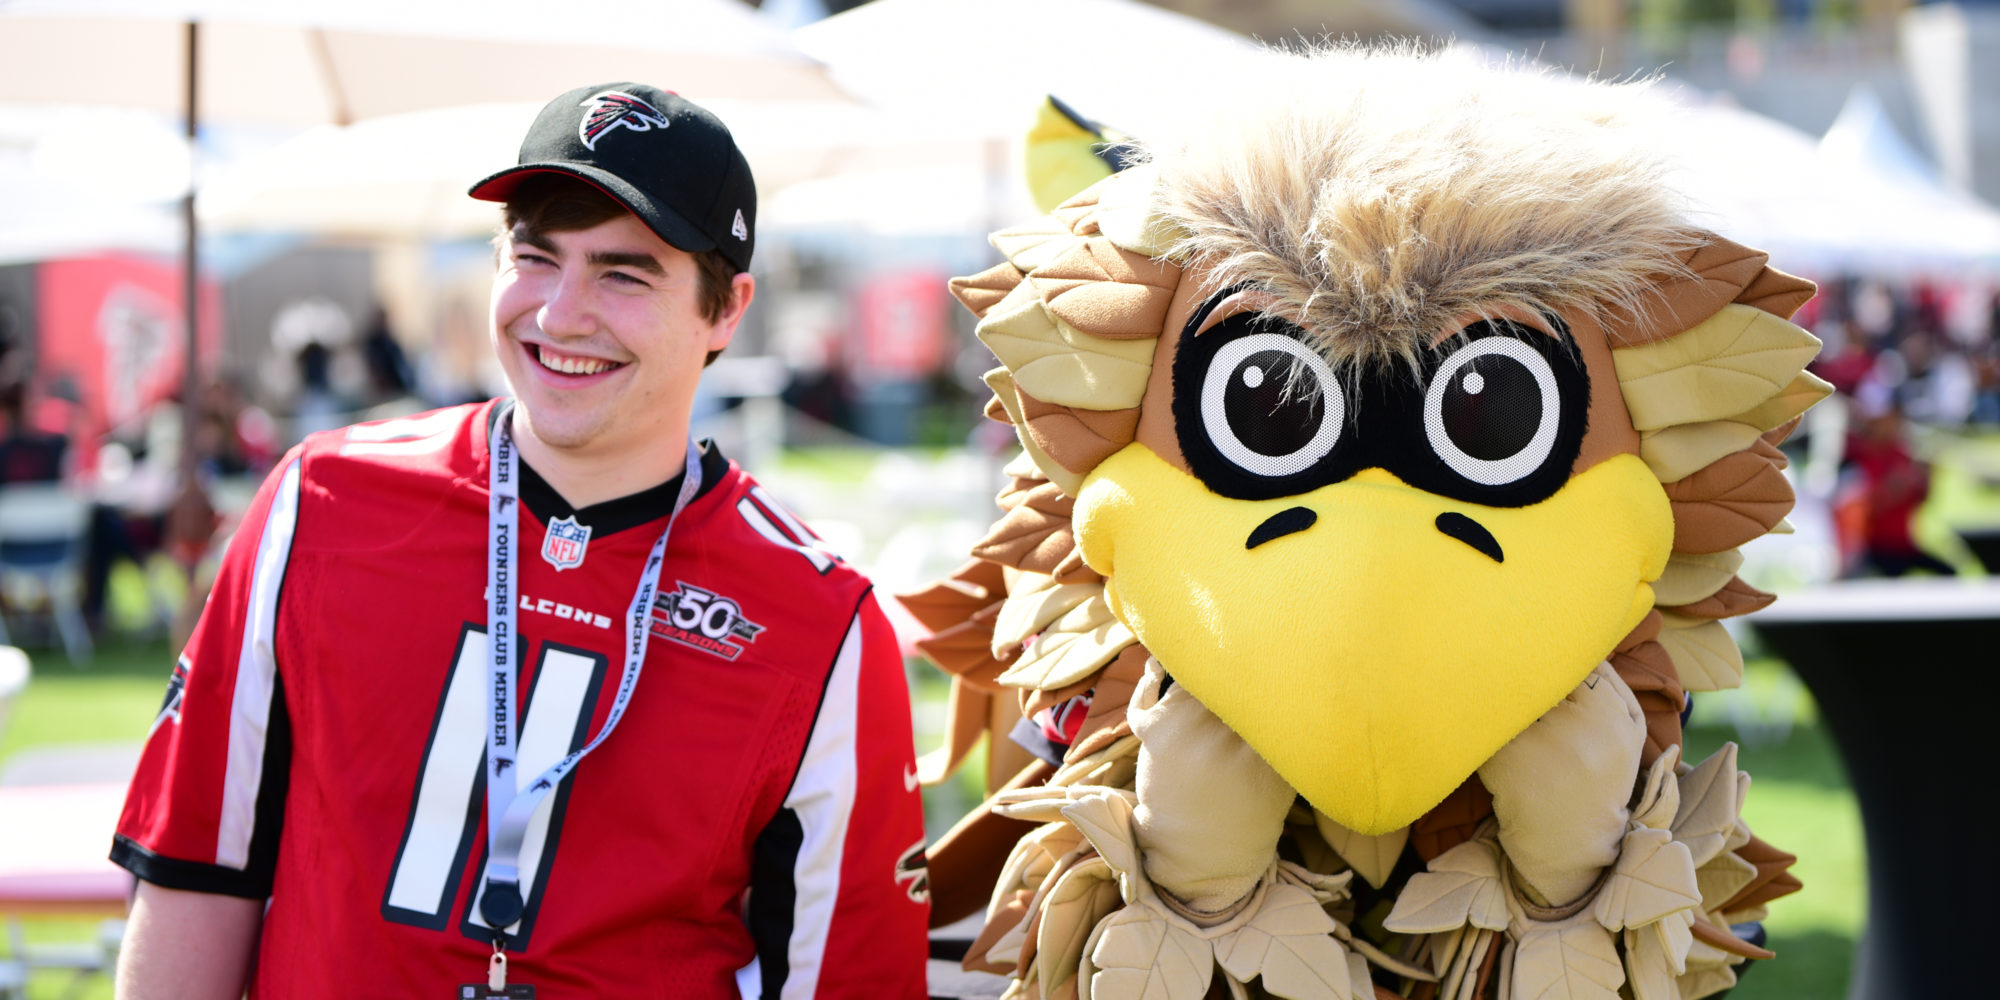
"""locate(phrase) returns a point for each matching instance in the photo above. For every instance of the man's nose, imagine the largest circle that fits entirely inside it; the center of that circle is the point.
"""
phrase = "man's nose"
(568, 311)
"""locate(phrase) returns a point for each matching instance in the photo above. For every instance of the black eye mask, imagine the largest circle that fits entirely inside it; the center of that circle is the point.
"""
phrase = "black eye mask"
(1495, 416)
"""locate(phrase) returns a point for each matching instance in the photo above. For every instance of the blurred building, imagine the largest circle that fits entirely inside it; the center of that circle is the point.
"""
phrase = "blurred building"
(1934, 66)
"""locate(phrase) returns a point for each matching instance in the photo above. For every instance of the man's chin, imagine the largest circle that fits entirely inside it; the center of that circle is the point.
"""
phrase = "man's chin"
(550, 426)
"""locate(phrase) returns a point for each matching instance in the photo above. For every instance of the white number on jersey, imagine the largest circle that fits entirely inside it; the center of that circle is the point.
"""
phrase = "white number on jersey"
(445, 813)
(402, 436)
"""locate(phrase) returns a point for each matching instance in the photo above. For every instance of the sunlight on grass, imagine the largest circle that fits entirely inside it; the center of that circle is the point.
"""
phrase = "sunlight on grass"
(1799, 801)
(1823, 827)
(113, 700)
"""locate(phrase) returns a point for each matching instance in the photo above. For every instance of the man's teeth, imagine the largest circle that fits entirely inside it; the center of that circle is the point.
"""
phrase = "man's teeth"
(574, 366)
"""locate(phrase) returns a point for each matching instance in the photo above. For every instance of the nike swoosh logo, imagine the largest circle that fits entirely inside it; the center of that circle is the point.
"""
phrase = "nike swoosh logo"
(910, 779)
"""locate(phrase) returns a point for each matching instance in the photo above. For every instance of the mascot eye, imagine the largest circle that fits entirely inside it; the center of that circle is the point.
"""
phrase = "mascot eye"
(1271, 405)
(1492, 411)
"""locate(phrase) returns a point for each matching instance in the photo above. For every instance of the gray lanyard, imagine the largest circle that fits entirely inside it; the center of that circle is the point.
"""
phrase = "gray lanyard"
(508, 811)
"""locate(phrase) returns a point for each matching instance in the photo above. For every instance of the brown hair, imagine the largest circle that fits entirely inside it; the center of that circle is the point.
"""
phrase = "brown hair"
(553, 203)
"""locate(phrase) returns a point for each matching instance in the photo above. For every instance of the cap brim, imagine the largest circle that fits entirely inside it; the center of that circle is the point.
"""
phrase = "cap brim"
(663, 221)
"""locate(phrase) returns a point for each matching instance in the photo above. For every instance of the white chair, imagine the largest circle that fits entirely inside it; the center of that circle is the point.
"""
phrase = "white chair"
(13, 678)
(56, 765)
(43, 528)
(14, 674)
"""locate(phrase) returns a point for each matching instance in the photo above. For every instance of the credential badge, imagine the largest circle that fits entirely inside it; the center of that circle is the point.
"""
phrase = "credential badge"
(565, 543)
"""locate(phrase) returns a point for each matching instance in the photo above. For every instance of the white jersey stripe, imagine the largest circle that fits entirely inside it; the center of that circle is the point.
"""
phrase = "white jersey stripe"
(756, 519)
(256, 677)
(788, 519)
(823, 798)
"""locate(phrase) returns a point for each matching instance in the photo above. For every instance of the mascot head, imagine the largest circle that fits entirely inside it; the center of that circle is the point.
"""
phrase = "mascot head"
(1383, 407)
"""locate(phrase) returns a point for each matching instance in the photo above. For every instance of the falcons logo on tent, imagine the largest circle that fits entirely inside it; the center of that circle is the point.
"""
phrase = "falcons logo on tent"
(611, 109)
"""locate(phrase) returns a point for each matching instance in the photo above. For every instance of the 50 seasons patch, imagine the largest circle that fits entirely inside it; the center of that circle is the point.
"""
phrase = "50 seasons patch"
(695, 616)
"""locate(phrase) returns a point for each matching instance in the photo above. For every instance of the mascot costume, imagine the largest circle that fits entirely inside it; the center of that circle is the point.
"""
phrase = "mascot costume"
(1388, 444)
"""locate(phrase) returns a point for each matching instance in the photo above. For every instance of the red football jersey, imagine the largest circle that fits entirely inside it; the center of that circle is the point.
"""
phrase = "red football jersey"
(752, 824)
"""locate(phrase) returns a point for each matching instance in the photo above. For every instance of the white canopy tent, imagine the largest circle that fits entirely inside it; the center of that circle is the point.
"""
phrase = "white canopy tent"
(86, 181)
(301, 62)
(991, 61)
(405, 176)
(1818, 207)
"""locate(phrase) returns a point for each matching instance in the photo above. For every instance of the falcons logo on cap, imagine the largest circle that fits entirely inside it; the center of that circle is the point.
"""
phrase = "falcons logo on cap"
(611, 109)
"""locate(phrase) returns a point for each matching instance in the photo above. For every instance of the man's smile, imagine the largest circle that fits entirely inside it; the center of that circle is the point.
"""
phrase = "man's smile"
(569, 364)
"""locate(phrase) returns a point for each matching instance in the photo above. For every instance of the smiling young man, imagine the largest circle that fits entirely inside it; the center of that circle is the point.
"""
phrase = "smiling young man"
(537, 697)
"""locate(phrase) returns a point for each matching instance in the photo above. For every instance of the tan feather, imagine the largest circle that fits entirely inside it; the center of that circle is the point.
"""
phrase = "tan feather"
(1061, 364)
(1704, 654)
(1077, 439)
(966, 651)
(1785, 407)
(1678, 452)
(1028, 539)
(1734, 499)
(1030, 245)
(981, 292)
(971, 588)
(1777, 293)
(1773, 878)
(1690, 577)
(1128, 213)
(1736, 598)
(1726, 364)
(1001, 381)
(1715, 274)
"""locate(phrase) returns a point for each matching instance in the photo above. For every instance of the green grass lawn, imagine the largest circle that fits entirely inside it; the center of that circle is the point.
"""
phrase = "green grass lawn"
(1799, 799)
(112, 700)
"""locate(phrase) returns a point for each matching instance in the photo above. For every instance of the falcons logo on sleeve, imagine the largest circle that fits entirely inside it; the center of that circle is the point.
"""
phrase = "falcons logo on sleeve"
(611, 109)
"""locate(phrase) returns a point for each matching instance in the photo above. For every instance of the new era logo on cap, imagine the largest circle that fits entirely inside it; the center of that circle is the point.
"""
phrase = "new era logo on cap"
(612, 108)
(738, 229)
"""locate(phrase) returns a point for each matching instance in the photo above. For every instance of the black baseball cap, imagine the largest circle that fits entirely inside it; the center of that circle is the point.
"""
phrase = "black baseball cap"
(668, 159)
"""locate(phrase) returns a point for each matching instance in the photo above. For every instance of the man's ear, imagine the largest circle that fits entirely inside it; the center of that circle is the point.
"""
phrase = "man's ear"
(742, 289)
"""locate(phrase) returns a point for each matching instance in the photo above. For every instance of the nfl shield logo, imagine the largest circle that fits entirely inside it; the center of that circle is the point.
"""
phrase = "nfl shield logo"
(564, 545)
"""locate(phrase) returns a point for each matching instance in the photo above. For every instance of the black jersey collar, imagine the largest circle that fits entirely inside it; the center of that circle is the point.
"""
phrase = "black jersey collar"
(611, 516)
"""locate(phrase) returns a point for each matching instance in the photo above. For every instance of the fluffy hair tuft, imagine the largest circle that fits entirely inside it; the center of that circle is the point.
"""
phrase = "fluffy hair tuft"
(1387, 196)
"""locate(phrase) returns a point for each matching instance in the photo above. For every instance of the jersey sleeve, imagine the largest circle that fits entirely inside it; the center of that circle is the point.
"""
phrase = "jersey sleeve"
(840, 900)
(207, 800)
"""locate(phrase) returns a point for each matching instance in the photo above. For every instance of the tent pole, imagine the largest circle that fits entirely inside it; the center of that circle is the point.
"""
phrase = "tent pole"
(191, 296)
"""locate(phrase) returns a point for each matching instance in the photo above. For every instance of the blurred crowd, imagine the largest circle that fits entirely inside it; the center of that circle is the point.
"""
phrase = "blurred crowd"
(126, 480)
(1922, 353)
(1898, 353)
(1929, 345)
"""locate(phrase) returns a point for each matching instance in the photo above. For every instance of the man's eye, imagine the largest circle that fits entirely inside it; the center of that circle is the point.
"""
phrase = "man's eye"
(622, 278)
(526, 258)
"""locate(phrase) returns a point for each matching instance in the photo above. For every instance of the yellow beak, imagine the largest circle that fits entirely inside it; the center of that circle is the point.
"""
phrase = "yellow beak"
(1375, 656)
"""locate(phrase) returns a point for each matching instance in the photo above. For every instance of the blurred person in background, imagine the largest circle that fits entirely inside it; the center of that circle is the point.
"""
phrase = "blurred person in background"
(30, 452)
(1889, 486)
(389, 374)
